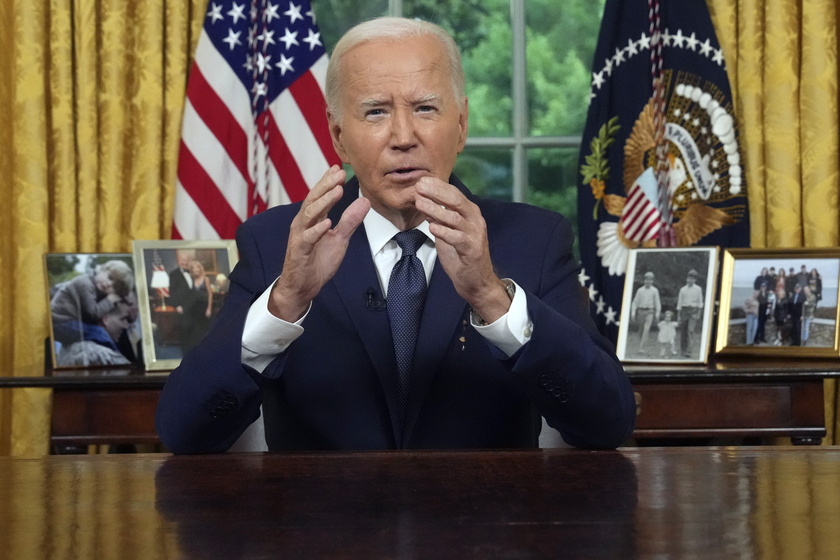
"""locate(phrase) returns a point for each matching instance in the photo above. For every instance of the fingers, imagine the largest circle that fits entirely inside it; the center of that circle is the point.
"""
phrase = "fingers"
(323, 196)
(452, 217)
(352, 218)
(440, 201)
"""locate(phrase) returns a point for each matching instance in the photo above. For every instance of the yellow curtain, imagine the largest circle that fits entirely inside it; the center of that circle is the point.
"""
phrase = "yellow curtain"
(781, 58)
(91, 92)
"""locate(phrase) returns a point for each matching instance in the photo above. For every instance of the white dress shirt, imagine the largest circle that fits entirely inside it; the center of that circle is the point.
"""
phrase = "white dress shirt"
(266, 336)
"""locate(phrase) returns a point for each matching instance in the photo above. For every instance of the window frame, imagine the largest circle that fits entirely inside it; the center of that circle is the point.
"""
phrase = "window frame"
(520, 141)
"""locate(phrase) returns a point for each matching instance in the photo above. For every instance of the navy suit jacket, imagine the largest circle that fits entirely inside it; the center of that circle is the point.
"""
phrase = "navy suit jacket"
(335, 386)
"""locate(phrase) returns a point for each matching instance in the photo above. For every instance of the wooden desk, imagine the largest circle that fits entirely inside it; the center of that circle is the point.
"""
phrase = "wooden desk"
(98, 406)
(749, 399)
(716, 503)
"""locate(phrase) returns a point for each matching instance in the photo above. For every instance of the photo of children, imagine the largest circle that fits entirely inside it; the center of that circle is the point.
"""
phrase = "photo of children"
(667, 297)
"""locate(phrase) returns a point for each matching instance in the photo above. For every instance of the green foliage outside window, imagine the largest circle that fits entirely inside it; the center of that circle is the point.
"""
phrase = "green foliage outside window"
(560, 41)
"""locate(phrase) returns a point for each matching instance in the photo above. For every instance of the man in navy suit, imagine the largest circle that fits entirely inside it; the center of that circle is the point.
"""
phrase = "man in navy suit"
(505, 336)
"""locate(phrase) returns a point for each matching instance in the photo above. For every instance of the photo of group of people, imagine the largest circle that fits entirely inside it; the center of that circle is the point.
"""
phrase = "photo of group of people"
(146, 308)
(783, 302)
(94, 310)
(668, 299)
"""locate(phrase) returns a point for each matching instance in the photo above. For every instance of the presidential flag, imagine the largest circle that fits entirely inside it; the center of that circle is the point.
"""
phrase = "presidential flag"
(660, 162)
(254, 131)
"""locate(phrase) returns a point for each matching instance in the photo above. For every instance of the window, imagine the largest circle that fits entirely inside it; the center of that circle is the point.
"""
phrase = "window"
(528, 65)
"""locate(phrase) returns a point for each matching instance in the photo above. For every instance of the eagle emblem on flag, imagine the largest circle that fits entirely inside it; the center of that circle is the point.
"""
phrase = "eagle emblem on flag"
(660, 161)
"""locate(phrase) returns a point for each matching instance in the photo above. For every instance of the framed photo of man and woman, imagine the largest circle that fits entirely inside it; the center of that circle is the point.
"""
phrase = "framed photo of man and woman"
(180, 287)
(779, 302)
(668, 305)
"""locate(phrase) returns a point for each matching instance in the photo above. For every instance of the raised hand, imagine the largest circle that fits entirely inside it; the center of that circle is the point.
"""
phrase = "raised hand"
(315, 249)
(463, 250)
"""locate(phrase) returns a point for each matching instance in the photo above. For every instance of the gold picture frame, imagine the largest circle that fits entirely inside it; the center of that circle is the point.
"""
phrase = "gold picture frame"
(779, 332)
(175, 315)
(93, 310)
(658, 321)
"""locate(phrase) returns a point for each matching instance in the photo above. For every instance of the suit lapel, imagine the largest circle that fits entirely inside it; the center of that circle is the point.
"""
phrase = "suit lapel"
(443, 311)
(358, 287)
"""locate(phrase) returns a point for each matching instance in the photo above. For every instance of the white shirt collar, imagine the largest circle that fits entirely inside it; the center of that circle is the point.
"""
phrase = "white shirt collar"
(380, 231)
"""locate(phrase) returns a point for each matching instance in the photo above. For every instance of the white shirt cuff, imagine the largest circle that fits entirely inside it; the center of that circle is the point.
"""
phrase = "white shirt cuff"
(512, 330)
(265, 336)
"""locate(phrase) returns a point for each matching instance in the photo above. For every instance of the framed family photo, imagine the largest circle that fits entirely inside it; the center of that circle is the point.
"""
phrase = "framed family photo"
(667, 308)
(779, 302)
(180, 287)
(93, 310)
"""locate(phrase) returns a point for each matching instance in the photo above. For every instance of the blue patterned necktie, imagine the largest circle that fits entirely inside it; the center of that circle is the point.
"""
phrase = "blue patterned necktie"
(406, 294)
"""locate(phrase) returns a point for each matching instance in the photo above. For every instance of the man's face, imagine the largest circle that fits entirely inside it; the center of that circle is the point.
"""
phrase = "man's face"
(117, 321)
(184, 258)
(400, 120)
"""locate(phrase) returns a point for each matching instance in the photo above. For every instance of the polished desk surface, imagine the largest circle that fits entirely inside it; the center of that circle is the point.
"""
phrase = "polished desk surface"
(758, 502)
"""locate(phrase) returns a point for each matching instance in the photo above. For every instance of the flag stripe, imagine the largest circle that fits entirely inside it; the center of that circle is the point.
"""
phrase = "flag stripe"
(300, 143)
(199, 186)
(285, 163)
(232, 165)
(310, 99)
(215, 115)
(214, 160)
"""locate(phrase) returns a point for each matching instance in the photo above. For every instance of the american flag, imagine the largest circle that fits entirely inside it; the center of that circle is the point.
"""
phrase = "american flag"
(641, 217)
(255, 132)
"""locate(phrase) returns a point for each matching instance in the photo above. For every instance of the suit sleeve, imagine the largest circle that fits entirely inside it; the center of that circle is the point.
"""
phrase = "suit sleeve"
(211, 397)
(568, 369)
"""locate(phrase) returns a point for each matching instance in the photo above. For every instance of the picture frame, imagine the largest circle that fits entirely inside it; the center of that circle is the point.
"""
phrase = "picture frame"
(803, 329)
(94, 319)
(173, 316)
(659, 322)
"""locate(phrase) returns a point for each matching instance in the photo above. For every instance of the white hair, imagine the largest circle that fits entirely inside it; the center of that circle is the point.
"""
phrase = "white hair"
(391, 28)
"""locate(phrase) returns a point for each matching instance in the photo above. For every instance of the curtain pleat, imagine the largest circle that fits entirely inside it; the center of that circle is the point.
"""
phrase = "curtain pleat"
(782, 62)
(94, 91)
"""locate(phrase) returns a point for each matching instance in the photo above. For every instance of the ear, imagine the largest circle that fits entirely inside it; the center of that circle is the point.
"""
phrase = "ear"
(463, 124)
(335, 136)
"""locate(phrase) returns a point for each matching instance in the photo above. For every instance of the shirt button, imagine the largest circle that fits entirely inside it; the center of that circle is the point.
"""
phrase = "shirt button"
(527, 332)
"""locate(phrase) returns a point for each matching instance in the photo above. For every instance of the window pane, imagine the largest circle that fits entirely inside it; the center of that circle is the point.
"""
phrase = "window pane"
(482, 30)
(561, 43)
(486, 172)
(553, 179)
(335, 17)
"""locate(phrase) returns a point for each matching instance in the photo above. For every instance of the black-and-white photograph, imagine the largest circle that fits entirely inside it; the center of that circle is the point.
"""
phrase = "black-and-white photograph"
(667, 307)
(181, 287)
(779, 300)
(93, 310)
